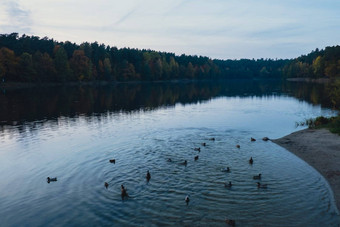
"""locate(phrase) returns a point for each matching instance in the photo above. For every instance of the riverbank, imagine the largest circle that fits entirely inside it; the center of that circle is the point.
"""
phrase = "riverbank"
(319, 148)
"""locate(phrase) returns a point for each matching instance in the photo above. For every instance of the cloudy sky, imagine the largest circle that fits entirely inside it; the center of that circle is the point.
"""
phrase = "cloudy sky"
(224, 29)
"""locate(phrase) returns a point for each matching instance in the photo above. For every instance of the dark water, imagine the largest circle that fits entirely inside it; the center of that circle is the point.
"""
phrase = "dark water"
(72, 132)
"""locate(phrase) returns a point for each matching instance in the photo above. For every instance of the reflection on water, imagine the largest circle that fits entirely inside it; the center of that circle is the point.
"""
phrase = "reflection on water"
(71, 133)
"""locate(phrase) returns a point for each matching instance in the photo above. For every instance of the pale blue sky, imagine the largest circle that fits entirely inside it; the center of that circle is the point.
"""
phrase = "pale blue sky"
(224, 29)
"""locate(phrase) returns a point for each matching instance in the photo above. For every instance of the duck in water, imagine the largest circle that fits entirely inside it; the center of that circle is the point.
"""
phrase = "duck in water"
(196, 158)
(113, 161)
(148, 176)
(184, 163)
(123, 192)
(228, 185)
(106, 185)
(257, 177)
(187, 200)
(259, 185)
(251, 160)
(49, 179)
(230, 222)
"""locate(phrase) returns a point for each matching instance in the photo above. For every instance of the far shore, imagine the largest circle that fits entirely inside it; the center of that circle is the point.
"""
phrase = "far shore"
(320, 149)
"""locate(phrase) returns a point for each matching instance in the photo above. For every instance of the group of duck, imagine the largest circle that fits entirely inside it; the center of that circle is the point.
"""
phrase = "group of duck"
(229, 185)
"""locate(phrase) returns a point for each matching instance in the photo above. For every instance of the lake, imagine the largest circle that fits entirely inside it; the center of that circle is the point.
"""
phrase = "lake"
(72, 132)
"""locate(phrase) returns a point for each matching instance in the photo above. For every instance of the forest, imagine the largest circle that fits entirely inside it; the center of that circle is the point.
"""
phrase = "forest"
(38, 60)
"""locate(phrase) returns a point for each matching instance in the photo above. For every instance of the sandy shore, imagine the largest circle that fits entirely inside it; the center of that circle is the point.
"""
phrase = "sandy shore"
(319, 148)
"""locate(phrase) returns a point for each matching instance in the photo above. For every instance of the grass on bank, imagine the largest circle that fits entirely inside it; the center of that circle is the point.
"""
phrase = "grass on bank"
(332, 123)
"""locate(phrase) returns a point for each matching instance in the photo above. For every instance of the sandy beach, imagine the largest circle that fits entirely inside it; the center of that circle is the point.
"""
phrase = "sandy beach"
(319, 148)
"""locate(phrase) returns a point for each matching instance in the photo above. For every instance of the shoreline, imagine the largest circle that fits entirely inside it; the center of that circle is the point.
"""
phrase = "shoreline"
(319, 148)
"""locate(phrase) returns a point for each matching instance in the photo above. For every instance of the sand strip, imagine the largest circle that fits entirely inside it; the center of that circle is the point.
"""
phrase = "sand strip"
(320, 149)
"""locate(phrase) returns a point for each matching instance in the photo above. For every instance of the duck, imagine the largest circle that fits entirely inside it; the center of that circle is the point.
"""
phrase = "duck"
(123, 192)
(212, 139)
(257, 177)
(196, 158)
(259, 185)
(148, 175)
(238, 146)
(49, 179)
(113, 161)
(204, 144)
(265, 139)
(106, 185)
(251, 160)
(226, 170)
(230, 222)
(228, 185)
(169, 160)
(252, 139)
(197, 149)
(184, 163)
(187, 200)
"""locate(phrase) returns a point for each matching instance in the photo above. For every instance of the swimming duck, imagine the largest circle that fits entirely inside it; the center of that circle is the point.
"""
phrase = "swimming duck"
(238, 146)
(259, 185)
(226, 170)
(228, 185)
(187, 200)
(204, 144)
(148, 176)
(212, 139)
(257, 177)
(230, 222)
(123, 192)
(252, 139)
(169, 160)
(196, 157)
(49, 179)
(184, 163)
(106, 185)
(265, 139)
(197, 149)
(251, 160)
(113, 161)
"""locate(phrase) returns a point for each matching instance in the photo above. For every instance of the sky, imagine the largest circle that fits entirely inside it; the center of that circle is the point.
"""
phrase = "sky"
(222, 29)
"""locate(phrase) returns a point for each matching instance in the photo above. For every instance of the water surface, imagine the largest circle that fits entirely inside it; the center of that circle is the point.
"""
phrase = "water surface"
(71, 133)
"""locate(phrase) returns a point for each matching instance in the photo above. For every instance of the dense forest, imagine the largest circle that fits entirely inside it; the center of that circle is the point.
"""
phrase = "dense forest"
(34, 59)
(317, 64)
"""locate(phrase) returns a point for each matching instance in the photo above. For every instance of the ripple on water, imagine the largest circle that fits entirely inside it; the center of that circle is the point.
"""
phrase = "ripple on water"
(296, 193)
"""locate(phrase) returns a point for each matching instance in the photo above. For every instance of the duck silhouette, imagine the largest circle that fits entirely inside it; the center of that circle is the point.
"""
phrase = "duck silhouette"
(257, 177)
(252, 139)
(169, 160)
(265, 139)
(187, 199)
(259, 185)
(228, 185)
(184, 163)
(196, 158)
(106, 185)
(238, 146)
(123, 192)
(50, 179)
(226, 170)
(148, 176)
(251, 161)
(212, 139)
(113, 161)
(197, 149)
(230, 222)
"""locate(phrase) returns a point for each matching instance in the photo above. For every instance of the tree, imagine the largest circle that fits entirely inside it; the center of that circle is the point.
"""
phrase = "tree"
(61, 64)
(81, 65)
(8, 65)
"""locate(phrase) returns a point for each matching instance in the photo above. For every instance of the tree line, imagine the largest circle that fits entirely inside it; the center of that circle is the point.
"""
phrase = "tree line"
(38, 60)
(317, 64)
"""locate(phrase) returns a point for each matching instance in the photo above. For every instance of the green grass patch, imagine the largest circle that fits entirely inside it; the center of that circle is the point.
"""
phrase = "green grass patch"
(331, 123)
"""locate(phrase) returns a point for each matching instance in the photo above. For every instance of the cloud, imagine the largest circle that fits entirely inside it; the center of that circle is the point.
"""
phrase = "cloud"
(16, 19)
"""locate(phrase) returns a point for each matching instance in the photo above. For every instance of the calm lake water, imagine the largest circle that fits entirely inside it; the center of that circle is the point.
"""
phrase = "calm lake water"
(72, 132)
